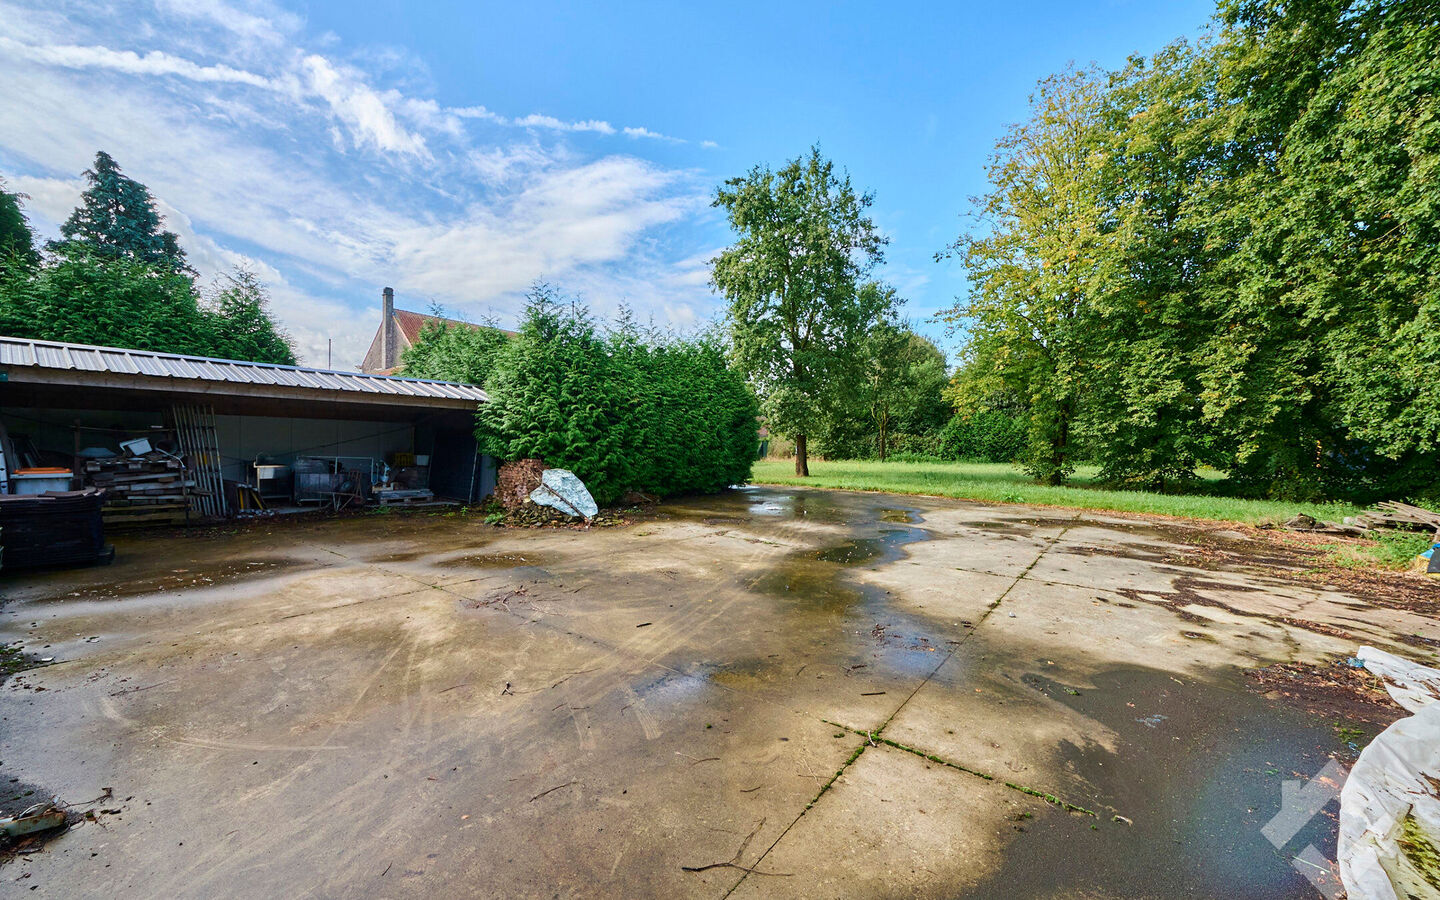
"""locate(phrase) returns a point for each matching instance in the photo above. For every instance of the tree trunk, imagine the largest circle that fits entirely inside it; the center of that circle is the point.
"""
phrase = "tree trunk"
(1060, 449)
(883, 447)
(802, 462)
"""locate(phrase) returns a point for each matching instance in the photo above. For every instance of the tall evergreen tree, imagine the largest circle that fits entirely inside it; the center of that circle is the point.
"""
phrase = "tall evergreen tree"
(17, 242)
(240, 323)
(116, 219)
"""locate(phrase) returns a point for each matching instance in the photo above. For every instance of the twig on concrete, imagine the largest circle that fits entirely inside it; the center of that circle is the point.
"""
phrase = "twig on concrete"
(552, 790)
(139, 689)
(734, 861)
(570, 676)
(697, 760)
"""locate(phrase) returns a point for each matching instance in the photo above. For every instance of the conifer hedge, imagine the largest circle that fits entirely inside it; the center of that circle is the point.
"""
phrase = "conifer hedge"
(623, 409)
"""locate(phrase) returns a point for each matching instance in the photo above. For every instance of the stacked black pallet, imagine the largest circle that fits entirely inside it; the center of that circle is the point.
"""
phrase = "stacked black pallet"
(60, 528)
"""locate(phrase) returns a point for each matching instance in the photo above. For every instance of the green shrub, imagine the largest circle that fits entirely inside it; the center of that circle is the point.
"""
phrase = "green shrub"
(991, 436)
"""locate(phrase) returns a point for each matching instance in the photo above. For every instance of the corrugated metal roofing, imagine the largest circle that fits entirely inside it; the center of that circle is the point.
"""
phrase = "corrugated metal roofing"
(85, 358)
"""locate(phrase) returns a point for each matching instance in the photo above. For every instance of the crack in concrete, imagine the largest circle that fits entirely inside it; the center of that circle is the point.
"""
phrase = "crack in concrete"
(872, 736)
(1024, 789)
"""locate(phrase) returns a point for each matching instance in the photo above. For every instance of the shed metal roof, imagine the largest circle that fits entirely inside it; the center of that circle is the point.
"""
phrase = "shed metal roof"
(115, 360)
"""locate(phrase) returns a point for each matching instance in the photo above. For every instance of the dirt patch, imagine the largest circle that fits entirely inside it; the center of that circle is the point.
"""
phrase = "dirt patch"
(1353, 698)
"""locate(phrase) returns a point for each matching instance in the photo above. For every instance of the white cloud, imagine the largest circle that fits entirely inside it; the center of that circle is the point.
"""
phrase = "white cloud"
(655, 135)
(152, 63)
(265, 153)
(361, 107)
(271, 28)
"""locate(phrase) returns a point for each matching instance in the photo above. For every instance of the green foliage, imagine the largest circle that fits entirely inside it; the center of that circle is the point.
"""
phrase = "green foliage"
(888, 395)
(623, 411)
(1031, 269)
(1230, 259)
(988, 435)
(85, 299)
(112, 302)
(116, 219)
(1390, 549)
(795, 282)
(118, 281)
(17, 243)
(448, 352)
(239, 323)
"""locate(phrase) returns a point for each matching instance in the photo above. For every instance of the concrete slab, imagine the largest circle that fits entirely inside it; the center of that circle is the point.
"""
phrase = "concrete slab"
(405, 704)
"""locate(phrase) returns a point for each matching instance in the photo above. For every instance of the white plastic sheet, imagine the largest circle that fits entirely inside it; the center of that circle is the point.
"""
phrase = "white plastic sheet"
(1390, 805)
(1410, 684)
(561, 489)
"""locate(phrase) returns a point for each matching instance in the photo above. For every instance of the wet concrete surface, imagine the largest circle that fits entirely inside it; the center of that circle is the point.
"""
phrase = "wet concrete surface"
(766, 693)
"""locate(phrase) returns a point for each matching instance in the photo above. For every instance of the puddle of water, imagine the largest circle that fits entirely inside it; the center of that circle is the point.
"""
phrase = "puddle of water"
(904, 516)
(1199, 770)
(852, 553)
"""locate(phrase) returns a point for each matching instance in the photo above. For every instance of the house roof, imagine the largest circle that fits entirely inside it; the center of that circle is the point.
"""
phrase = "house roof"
(75, 361)
(411, 322)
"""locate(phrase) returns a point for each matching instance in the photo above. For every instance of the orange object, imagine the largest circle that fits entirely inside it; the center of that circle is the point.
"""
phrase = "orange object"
(43, 470)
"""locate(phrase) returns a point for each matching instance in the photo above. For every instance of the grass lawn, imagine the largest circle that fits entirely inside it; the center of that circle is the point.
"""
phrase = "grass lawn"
(1005, 483)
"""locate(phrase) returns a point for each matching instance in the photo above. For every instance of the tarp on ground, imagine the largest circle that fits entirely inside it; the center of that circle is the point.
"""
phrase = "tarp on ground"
(1390, 806)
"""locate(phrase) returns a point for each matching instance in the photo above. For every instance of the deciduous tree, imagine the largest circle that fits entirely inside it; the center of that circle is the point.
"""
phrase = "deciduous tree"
(793, 279)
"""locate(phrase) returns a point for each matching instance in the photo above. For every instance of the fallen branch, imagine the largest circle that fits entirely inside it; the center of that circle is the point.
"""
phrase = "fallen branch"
(734, 861)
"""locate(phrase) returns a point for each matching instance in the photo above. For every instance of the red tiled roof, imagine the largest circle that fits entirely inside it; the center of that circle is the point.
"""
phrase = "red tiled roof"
(411, 322)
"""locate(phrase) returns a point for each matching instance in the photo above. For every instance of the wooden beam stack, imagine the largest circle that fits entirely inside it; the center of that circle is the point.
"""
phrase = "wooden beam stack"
(152, 489)
(1393, 514)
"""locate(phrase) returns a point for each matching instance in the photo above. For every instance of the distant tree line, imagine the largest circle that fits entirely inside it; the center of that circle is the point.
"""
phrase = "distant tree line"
(625, 408)
(117, 278)
(1226, 255)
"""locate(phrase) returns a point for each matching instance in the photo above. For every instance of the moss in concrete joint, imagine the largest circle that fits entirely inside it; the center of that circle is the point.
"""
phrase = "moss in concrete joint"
(875, 737)
(1051, 798)
(838, 772)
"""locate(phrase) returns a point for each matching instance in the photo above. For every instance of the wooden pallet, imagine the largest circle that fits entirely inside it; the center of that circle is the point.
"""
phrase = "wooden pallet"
(404, 498)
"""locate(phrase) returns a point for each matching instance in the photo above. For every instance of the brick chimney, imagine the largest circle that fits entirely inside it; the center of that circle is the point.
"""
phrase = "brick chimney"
(389, 342)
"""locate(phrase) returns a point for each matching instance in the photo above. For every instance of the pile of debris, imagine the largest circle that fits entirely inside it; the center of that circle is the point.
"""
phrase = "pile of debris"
(516, 479)
(1392, 514)
(532, 493)
(1386, 514)
(151, 487)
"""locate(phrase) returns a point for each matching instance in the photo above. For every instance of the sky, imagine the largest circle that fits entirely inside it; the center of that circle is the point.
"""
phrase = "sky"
(462, 151)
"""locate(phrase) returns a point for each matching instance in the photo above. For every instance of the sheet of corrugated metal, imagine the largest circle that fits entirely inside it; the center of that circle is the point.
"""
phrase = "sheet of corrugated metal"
(55, 355)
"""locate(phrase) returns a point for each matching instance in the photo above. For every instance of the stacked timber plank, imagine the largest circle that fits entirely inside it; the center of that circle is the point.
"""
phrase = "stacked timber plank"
(1393, 514)
(1386, 514)
(153, 489)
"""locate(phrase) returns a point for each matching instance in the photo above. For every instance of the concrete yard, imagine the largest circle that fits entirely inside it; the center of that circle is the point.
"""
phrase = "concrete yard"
(397, 705)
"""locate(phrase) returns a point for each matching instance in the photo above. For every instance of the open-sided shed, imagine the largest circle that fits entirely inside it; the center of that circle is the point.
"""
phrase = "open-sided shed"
(66, 398)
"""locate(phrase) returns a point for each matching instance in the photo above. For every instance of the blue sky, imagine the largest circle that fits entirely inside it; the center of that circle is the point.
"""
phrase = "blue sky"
(461, 151)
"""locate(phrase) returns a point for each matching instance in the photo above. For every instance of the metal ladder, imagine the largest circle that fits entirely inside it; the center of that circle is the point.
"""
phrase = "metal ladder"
(195, 429)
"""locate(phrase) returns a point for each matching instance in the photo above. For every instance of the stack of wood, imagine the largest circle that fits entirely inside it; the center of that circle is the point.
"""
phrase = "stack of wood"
(153, 489)
(1393, 514)
(1386, 514)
